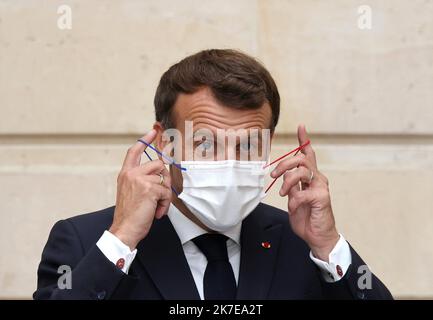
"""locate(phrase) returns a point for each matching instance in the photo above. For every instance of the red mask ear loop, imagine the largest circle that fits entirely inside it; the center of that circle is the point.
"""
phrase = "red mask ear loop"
(296, 150)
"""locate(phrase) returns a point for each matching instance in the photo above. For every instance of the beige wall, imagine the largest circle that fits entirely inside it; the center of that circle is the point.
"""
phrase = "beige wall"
(72, 101)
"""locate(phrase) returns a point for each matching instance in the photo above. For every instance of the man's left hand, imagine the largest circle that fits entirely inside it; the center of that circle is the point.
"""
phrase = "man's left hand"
(309, 202)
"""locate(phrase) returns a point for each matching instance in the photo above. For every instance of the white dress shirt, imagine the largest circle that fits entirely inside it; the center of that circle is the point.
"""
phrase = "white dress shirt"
(339, 259)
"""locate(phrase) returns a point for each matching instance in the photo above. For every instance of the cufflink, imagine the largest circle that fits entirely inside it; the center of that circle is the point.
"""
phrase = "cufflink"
(120, 263)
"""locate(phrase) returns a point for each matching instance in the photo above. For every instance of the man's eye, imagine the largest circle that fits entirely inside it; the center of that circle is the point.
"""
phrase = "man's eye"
(246, 146)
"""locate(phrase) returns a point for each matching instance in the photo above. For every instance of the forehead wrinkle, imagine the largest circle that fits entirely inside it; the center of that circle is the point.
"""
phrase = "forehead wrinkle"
(208, 124)
(245, 116)
(211, 107)
(201, 107)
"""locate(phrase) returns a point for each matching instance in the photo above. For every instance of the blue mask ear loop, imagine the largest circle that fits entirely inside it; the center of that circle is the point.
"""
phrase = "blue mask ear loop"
(161, 154)
(165, 157)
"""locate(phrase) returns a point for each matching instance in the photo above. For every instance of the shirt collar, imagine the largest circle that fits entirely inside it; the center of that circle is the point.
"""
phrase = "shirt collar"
(188, 230)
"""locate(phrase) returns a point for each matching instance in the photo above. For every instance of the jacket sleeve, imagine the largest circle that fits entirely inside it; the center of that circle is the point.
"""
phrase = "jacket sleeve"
(358, 283)
(91, 276)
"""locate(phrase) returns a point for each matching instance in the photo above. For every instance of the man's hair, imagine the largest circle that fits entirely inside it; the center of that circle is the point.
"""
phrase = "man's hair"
(235, 79)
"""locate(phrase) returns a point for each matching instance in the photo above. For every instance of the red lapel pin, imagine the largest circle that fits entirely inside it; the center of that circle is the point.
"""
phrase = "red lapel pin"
(120, 263)
(266, 244)
(339, 270)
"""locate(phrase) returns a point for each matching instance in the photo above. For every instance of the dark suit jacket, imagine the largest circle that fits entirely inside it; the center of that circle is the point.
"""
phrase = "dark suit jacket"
(160, 269)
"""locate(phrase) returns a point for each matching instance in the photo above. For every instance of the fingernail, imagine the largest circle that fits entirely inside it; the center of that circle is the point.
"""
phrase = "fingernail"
(273, 173)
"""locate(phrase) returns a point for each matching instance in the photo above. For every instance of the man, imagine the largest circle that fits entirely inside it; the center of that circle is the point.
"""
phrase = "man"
(199, 231)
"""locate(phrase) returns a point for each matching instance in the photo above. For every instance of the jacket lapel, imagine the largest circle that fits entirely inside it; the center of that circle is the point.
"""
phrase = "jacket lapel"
(259, 246)
(162, 255)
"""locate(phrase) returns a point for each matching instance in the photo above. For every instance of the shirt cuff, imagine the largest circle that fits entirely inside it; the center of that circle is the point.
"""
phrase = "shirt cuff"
(116, 251)
(340, 259)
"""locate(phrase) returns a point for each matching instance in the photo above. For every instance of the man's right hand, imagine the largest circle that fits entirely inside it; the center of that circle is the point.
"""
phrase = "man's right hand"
(140, 196)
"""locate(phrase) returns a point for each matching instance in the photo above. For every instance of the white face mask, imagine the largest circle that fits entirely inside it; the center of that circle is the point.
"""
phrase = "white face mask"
(222, 193)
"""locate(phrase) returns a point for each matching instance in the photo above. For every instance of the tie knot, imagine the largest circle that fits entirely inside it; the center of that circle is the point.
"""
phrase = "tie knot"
(213, 246)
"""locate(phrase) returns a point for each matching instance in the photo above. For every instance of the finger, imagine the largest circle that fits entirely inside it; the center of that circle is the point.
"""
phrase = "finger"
(167, 178)
(162, 169)
(303, 138)
(164, 195)
(300, 198)
(151, 167)
(156, 179)
(293, 190)
(133, 156)
(290, 163)
(292, 178)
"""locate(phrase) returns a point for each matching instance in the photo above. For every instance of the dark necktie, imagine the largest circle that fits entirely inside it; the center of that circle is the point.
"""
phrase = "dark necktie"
(219, 280)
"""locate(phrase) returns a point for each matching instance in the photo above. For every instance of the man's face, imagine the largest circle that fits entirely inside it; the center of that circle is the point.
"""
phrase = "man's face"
(243, 129)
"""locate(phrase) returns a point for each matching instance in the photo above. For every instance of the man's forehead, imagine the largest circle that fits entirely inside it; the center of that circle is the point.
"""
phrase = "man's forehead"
(206, 112)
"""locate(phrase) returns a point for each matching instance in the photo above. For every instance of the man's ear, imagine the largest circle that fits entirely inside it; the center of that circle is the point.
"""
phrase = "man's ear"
(158, 142)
